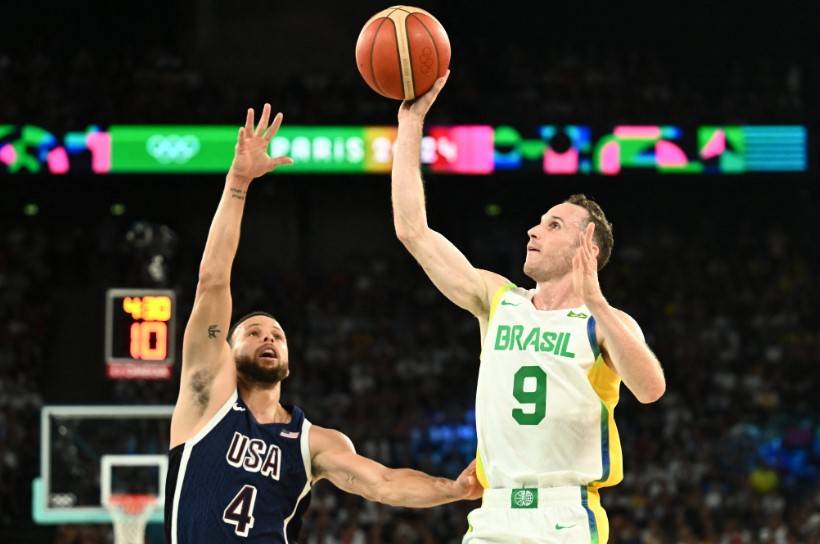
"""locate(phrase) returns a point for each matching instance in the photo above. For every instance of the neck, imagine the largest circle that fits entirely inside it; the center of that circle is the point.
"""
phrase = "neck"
(556, 293)
(263, 402)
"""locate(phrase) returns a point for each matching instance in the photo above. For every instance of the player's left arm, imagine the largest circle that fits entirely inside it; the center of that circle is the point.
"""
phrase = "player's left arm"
(619, 336)
(334, 458)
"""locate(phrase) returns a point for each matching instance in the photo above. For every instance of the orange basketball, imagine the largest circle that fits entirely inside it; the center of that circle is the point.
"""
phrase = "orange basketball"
(401, 52)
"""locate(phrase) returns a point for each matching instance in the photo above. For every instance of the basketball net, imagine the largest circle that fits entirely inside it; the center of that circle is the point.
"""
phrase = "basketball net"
(130, 514)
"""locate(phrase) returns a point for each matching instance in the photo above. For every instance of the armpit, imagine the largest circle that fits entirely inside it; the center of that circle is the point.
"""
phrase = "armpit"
(200, 384)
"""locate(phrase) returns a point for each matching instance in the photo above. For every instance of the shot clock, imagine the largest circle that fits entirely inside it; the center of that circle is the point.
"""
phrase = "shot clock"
(140, 333)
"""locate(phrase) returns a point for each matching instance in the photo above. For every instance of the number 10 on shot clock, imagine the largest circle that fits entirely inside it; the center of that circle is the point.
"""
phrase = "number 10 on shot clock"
(140, 329)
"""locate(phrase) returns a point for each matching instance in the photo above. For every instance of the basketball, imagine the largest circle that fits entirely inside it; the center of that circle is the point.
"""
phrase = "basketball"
(401, 51)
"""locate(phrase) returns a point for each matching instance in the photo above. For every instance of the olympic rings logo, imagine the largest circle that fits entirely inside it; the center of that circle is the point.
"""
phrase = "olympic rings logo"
(63, 500)
(172, 148)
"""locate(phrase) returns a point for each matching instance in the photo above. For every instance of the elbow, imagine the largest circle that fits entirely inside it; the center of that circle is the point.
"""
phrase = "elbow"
(209, 280)
(408, 236)
(403, 234)
(653, 392)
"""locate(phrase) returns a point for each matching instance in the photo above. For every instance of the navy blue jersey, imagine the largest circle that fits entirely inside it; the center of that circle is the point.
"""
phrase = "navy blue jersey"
(238, 480)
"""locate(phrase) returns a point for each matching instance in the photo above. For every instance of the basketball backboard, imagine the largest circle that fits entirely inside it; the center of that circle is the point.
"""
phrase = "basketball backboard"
(90, 452)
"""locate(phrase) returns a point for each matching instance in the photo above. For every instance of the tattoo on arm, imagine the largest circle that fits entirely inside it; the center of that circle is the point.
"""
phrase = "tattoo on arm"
(238, 193)
(213, 330)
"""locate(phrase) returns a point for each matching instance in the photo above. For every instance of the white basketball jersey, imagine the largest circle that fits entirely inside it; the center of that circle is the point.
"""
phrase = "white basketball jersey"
(545, 400)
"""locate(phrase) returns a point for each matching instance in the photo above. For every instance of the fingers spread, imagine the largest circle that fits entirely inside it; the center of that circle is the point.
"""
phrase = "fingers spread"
(249, 123)
(274, 128)
(588, 252)
(581, 253)
(591, 236)
(280, 161)
(263, 120)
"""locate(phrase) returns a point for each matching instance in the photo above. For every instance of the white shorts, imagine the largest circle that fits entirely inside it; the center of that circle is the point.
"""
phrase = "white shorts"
(556, 515)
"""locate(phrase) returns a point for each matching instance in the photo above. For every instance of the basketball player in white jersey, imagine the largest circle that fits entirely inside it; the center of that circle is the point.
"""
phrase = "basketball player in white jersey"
(552, 360)
(242, 462)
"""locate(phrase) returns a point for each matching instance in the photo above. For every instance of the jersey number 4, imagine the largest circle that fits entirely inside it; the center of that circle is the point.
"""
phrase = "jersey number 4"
(535, 396)
(239, 512)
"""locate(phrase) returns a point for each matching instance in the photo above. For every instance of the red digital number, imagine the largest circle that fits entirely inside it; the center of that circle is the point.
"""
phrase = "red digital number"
(141, 335)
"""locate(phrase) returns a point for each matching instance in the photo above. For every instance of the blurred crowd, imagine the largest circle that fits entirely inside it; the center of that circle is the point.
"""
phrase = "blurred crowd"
(729, 455)
(26, 314)
(577, 85)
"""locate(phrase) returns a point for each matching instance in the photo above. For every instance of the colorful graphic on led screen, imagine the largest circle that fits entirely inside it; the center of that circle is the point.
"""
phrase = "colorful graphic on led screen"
(459, 149)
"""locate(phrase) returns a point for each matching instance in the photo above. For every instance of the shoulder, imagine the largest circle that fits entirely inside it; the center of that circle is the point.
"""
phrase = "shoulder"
(330, 450)
(323, 439)
(493, 281)
(494, 285)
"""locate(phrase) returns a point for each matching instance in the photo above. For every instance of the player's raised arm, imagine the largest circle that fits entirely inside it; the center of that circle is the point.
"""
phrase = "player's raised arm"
(208, 371)
(448, 268)
(334, 458)
(619, 335)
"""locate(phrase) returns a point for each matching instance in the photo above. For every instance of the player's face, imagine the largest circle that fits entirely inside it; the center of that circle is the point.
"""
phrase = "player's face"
(261, 351)
(553, 242)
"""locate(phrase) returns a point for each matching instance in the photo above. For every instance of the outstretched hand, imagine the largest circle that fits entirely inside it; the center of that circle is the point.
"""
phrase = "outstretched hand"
(251, 159)
(416, 110)
(585, 269)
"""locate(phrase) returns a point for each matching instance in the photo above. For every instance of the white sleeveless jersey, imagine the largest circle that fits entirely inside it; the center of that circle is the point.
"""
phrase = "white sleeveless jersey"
(545, 400)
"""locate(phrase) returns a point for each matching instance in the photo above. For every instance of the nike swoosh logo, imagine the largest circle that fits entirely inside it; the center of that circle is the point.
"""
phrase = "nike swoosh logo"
(505, 303)
(237, 408)
(559, 527)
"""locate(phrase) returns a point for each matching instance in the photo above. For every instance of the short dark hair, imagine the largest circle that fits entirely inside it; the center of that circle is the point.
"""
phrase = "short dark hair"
(603, 228)
(243, 319)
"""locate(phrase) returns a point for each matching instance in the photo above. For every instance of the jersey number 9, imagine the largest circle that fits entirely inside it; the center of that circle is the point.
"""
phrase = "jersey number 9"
(536, 397)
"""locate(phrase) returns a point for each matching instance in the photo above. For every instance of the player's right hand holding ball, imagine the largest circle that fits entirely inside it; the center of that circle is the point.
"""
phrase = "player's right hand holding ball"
(416, 110)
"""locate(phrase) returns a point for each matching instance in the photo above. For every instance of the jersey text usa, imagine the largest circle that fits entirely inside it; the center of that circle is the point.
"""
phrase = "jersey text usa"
(254, 455)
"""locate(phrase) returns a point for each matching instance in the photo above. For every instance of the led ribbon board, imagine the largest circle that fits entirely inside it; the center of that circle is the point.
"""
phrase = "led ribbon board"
(455, 149)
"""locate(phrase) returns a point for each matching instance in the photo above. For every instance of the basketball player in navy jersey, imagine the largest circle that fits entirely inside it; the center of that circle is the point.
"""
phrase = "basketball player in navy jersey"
(242, 463)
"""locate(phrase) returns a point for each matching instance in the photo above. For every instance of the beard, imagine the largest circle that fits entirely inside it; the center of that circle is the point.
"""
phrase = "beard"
(250, 371)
